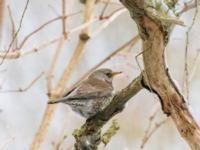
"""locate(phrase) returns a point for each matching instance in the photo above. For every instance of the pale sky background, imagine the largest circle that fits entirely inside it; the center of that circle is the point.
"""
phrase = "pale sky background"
(22, 112)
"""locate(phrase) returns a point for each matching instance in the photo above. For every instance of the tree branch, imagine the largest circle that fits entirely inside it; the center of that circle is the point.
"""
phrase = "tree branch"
(25, 88)
(157, 79)
(2, 5)
(16, 33)
(88, 137)
(187, 7)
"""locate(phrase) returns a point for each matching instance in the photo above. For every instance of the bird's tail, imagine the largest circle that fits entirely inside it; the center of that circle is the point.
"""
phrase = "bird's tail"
(61, 100)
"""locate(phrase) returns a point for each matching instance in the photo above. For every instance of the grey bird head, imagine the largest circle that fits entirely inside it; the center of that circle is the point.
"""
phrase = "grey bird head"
(104, 74)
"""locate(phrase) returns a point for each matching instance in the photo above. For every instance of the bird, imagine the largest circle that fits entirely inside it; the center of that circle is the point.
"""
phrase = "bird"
(92, 95)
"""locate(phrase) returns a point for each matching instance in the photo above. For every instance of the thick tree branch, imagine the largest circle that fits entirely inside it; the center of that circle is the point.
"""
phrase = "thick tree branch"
(155, 34)
(88, 137)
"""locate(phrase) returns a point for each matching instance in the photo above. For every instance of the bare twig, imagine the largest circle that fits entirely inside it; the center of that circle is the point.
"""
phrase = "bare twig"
(115, 13)
(110, 18)
(104, 9)
(62, 137)
(57, 146)
(2, 5)
(42, 45)
(52, 65)
(13, 28)
(187, 7)
(78, 49)
(150, 133)
(151, 119)
(84, 25)
(18, 29)
(64, 18)
(186, 81)
(194, 66)
(19, 53)
(27, 87)
(110, 2)
(10, 55)
(44, 25)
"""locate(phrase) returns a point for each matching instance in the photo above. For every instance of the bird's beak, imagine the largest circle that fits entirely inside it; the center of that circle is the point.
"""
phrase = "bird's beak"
(115, 73)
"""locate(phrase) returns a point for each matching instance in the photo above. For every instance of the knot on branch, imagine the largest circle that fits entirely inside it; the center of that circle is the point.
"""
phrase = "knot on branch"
(84, 1)
(84, 37)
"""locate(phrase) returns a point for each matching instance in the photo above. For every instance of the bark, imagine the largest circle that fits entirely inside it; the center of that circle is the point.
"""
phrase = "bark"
(155, 33)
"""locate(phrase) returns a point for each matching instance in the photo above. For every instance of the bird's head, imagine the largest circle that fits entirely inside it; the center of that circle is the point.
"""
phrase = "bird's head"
(104, 74)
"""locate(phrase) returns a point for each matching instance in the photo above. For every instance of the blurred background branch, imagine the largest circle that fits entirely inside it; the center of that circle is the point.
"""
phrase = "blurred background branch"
(57, 92)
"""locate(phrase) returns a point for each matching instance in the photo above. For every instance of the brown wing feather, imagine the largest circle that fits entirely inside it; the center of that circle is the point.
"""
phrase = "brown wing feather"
(91, 88)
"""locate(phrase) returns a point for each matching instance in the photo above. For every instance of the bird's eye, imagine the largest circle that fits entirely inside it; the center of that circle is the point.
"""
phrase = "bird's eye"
(109, 74)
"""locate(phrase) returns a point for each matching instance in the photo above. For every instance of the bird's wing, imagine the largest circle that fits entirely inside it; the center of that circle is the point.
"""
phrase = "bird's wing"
(90, 89)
